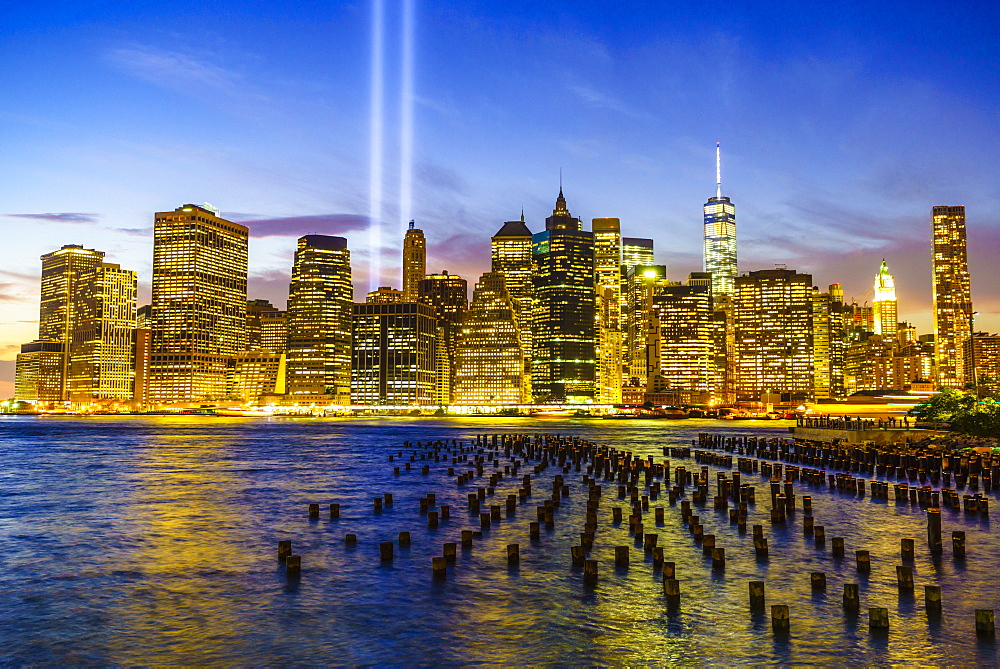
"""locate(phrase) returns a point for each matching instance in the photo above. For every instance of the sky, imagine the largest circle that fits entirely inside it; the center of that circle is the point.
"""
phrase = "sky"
(841, 125)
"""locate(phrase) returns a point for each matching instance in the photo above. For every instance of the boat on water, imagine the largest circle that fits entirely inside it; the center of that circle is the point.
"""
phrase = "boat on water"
(245, 412)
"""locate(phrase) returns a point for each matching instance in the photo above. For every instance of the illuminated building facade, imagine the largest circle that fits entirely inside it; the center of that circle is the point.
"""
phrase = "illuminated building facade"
(255, 373)
(393, 354)
(642, 284)
(510, 251)
(564, 323)
(636, 251)
(952, 295)
(720, 237)
(489, 366)
(267, 327)
(608, 280)
(869, 365)
(884, 306)
(199, 303)
(320, 311)
(774, 338)
(683, 350)
(64, 273)
(448, 296)
(414, 262)
(38, 372)
(102, 346)
(982, 362)
(384, 295)
(861, 318)
(829, 342)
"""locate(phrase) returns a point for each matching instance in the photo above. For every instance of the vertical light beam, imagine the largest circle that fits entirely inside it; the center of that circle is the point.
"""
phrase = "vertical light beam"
(406, 119)
(375, 147)
(718, 170)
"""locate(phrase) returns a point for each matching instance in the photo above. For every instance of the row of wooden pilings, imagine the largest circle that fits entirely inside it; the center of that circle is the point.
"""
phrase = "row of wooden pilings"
(629, 471)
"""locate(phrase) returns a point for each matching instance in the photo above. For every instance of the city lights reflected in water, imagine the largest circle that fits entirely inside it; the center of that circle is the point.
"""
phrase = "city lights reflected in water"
(153, 541)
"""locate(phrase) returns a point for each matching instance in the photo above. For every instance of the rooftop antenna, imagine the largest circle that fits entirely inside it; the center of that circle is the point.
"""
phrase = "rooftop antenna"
(522, 214)
(411, 224)
(718, 170)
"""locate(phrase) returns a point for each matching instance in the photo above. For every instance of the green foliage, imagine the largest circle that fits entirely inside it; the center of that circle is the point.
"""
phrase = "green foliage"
(967, 415)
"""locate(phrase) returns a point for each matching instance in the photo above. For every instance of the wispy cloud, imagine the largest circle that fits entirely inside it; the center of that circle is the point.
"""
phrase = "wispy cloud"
(296, 226)
(10, 292)
(180, 71)
(599, 100)
(61, 217)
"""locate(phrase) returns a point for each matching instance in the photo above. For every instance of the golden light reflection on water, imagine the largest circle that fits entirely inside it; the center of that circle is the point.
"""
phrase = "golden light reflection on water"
(188, 527)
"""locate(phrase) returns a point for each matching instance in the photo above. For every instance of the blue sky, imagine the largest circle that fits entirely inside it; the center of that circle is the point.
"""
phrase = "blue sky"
(841, 126)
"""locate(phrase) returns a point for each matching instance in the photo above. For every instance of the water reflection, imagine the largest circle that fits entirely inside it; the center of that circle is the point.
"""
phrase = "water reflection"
(154, 540)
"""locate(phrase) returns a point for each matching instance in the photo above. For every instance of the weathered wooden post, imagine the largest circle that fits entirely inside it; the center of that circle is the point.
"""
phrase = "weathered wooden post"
(669, 570)
(466, 538)
(878, 618)
(779, 618)
(906, 549)
(284, 550)
(314, 510)
(404, 539)
(513, 553)
(904, 578)
(293, 565)
(534, 530)
(838, 547)
(351, 539)
(985, 626)
(718, 559)
(852, 598)
(757, 595)
(439, 566)
(385, 551)
(864, 561)
(672, 592)
(934, 530)
(819, 535)
(932, 599)
(958, 544)
(621, 556)
(334, 511)
(590, 572)
(818, 580)
(578, 554)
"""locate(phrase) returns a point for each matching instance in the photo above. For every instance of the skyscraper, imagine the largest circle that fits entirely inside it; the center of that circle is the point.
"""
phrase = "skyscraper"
(384, 295)
(63, 273)
(199, 303)
(643, 283)
(448, 297)
(414, 262)
(510, 250)
(829, 342)
(884, 304)
(608, 279)
(102, 348)
(489, 367)
(393, 354)
(564, 322)
(952, 295)
(683, 350)
(320, 309)
(636, 251)
(267, 327)
(774, 338)
(720, 237)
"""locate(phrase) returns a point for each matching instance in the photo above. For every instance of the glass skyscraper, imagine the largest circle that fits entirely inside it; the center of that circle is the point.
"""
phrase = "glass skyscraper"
(720, 238)
(952, 295)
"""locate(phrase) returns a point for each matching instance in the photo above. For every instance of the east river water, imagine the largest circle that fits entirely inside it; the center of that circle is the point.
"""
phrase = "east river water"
(153, 540)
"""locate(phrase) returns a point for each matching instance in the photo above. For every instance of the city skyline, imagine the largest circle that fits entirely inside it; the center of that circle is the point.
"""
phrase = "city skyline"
(829, 192)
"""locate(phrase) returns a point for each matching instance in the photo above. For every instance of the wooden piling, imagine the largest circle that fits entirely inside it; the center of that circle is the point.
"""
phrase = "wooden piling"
(904, 578)
(284, 550)
(590, 571)
(707, 544)
(779, 618)
(932, 599)
(958, 544)
(852, 598)
(404, 539)
(314, 510)
(385, 551)
(878, 618)
(864, 561)
(819, 535)
(621, 556)
(934, 530)
(466, 538)
(985, 626)
(293, 565)
(672, 592)
(757, 595)
(578, 554)
(534, 530)
(351, 539)
(669, 570)
(334, 511)
(513, 553)
(718, 559)
(818, 580)
(432, 520)
(838, 547)
(439, 566)
(906, 549)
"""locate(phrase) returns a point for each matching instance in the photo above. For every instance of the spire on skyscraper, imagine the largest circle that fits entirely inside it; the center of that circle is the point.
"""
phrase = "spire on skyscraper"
(718, 170)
